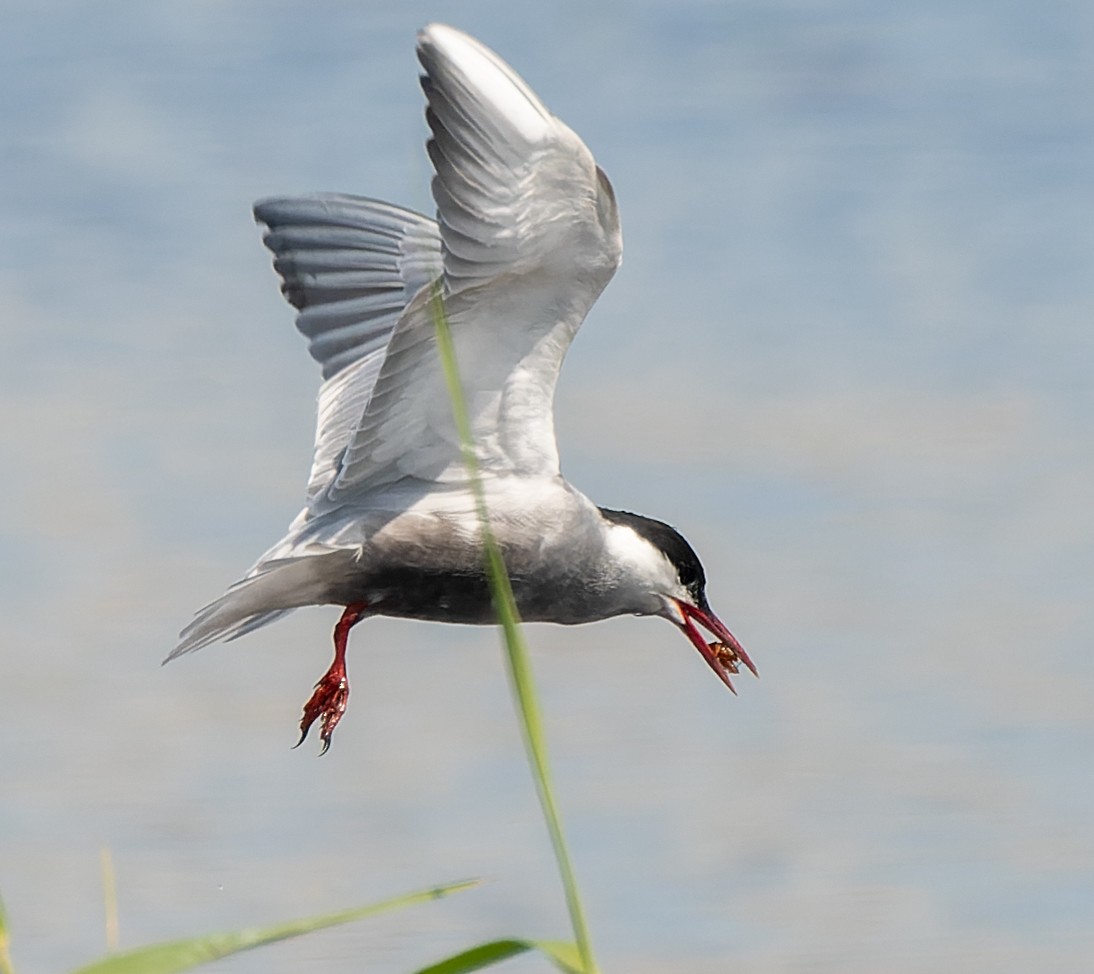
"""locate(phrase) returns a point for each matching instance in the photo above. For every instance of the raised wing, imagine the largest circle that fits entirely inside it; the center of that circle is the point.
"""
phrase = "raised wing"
(350, 266)
(530, 235)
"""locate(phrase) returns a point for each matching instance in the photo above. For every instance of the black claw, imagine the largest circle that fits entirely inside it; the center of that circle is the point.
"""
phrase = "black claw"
(305, 730)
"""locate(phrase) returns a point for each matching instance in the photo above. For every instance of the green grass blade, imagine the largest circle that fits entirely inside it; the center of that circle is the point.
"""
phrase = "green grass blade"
(563, 955)
(182, 955)
(520, 667)
(5, 956)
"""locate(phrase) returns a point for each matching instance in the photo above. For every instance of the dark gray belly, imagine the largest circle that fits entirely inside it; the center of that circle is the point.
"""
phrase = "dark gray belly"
(464, 596)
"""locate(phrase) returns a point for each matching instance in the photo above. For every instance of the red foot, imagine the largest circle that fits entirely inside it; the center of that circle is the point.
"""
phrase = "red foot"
(328, 702)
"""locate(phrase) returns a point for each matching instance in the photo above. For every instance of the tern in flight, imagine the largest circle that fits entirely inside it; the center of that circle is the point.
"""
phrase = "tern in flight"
(525, 239)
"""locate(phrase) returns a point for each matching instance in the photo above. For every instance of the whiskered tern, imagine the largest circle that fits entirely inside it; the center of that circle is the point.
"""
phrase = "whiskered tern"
(526, 237)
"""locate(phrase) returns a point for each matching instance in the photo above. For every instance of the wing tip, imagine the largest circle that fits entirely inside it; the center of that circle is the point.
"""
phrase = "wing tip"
(469, 71)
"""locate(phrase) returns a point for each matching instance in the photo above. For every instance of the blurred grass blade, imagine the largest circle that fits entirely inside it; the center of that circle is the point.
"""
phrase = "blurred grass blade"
(520, 667)
(5, 957)
(181, 955)
(110, 899)
(563, 955)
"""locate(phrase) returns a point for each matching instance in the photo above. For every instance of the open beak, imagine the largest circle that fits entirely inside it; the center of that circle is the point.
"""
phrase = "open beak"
(724, 655)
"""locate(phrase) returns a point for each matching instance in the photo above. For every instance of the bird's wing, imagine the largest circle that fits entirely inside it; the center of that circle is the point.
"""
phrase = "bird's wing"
(530, 236)
(350, 266)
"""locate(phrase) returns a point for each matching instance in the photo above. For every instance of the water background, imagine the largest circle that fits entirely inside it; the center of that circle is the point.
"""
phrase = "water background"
(849, 354)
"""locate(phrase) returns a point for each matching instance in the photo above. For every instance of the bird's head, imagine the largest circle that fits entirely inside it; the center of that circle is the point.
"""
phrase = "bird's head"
(673, 586)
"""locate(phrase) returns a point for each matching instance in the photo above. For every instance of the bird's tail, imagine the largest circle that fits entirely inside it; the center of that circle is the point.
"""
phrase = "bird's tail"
(270, 590)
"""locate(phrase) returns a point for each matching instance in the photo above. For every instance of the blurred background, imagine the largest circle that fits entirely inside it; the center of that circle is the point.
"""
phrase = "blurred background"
(849, 355)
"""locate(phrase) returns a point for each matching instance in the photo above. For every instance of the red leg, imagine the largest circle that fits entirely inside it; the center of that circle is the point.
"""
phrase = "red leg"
(331, 695)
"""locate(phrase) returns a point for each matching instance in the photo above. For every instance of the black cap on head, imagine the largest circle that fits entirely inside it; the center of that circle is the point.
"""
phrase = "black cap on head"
(667, 539)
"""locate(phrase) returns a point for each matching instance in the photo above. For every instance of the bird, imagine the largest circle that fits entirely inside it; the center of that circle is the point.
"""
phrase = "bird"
(525, 239)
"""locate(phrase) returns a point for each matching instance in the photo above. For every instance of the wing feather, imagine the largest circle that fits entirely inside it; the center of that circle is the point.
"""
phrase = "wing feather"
(350, 265)
(529, 237)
